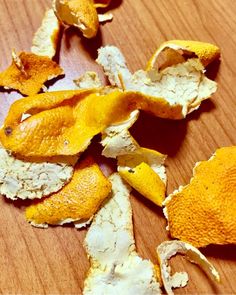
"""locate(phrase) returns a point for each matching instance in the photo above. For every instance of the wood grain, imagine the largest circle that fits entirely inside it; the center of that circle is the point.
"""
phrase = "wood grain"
(53, 261)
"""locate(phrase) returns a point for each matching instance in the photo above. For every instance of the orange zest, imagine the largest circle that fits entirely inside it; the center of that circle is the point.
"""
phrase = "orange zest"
(78, 200)
(203, 212)
(28, 73)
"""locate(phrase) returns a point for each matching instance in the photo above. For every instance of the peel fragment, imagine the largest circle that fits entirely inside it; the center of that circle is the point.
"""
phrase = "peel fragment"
(88, 80)
(169, 93)
(101, 3)
(28, 73)
(46, 37)
(21, 179)
(81, 14)
(206, 52)
(116, 268)
(77, 202)
(144, 170)
(203, 212)
(170, 248)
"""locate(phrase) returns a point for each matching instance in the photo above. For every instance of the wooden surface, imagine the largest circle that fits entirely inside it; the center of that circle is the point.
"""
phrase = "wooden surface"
(53, 261)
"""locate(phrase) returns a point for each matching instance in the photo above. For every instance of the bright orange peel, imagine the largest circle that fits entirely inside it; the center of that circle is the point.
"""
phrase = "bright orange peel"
(28, 73)
(78, 200)
(203, 212)
(206, 52)
(61, 123)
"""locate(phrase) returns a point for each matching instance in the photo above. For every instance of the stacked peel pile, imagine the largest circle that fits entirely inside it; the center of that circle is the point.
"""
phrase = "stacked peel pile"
(44, 135)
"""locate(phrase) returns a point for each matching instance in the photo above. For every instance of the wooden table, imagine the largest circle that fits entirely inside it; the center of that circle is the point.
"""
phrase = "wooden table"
(53, 261)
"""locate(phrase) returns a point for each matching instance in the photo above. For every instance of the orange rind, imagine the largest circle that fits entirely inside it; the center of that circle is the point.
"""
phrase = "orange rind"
(172, 92)
(101, 3)
(144, 171)
(24, 179)
(180, 279)
(78, 200)
(174, 49)
(61, 123)
(116, 267)
(88, 80)
(81, 14)
(28, 73)
(46, 37)
(203, 212)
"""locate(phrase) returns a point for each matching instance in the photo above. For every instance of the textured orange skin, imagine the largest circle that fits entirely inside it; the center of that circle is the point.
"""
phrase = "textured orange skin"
(38, 70)
(146, 182)
(79, 199)
(206, 52)
(64, 122)
(204, 212)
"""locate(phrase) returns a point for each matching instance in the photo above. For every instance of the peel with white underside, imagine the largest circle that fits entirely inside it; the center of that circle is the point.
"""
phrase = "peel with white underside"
(170, 248)
(116, 268)
(181, 84)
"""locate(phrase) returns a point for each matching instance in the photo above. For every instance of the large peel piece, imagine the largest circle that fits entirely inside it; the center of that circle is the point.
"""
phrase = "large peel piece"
(78, 201)
(203, 212)
(62, 122)
(21, 179)
(170, 248)
(28, 73)
(115, 266)
(169, 93)
(46, 38)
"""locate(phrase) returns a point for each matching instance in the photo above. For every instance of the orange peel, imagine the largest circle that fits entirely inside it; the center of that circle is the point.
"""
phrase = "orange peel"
(203, 212)
(81, 14)
(46, 37)
(170, 248)
(61, 123)
(101, 3)
(28, 73)
(206, 52)
(78, 200)
(144, 171)
(169, 93)
(116, 268)
(88, 80)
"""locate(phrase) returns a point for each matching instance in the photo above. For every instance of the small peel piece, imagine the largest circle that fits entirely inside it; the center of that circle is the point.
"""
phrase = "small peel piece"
(203, 212)
(77, 202)
(101, 3)
(169, 93)
(46, 37)
(20, 179)
(105, 17)
(144, 170)
(116, 268)
(88, 80)
(170, 248)
(117, 140)
(206, 52)
(81, 14)
(31, 75)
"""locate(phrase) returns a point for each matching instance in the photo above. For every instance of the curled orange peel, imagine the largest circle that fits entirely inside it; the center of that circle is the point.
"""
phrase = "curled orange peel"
(203, 212)
(170, 248)
(61, 123)
(172, 92)
(78, 200)
(101, 3)
(206, 52)
(28, 73)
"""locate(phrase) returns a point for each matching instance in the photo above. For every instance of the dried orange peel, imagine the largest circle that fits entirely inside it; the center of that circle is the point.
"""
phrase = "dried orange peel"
(203, 212)
(116, 268)
(23, 179)
(101, 3)
(170, 248)
(28, 73)
(78, 200)
(46, 38)
(169, 93)
(206, 52)
(88, 80)
(144, 171)
(61, 123)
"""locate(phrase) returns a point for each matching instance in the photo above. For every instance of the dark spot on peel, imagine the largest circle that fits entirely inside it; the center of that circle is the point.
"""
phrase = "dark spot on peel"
(8, 131)
(131, 171)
